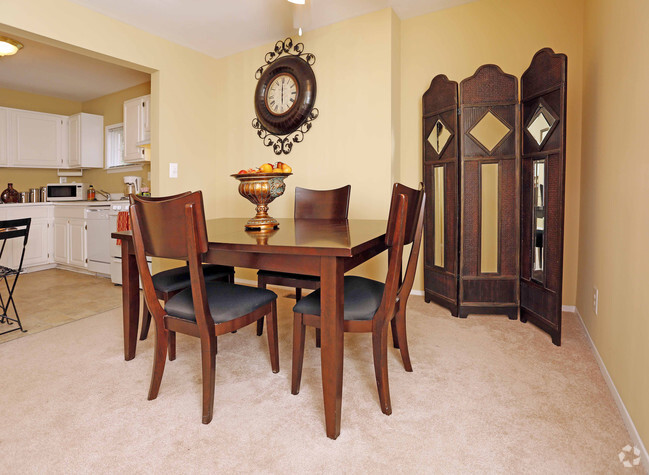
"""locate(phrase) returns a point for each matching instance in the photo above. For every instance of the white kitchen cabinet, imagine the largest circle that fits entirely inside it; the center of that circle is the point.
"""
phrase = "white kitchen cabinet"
(37, 252)
(137, 127)
(77, 236)
(86, 146)
(61, 240)
(7, 255)
(70, 236)
(3, 137)
(36, 139)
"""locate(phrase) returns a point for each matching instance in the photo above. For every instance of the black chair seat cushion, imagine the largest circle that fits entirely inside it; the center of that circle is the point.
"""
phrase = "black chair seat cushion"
(286, 275)
(226, 301)
(178, 278)
(362, 299)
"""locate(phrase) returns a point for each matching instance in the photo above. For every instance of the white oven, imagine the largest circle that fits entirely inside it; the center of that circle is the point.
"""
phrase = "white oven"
(115, 250)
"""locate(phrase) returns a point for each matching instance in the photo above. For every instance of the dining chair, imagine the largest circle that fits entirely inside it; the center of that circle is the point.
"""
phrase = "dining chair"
(169, 282)
(176, 229)
(371, 306)
(10, 229)
(309, 204)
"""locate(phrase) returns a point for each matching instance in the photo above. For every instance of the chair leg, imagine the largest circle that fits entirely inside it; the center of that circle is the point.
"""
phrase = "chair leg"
(273, 345)
(260, 323)
(395, 337)
(172, 346)
(317, 338)
(298, 295)
(146, 321)
(159, 358)
(298, 352)
(380, 352)
(399, 321)
(208, 360)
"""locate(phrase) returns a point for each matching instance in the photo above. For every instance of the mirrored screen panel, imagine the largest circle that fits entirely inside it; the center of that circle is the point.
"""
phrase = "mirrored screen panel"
(489, 218)
(439, 137)
(489, 131)
(439, 217)
(540, 124)
(538, 227)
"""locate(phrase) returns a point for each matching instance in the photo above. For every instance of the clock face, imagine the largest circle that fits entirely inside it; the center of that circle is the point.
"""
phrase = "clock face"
(281, 94)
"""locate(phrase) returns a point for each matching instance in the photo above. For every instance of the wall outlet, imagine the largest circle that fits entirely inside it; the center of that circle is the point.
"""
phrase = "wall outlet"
(595, 299)
(173, 170)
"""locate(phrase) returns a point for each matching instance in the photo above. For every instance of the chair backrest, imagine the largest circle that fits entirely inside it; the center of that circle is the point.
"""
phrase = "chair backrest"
(413, 232)
(171, 227)
(322, 204)
(13, 228)
(395, 243)
(415, 202)
(168, 213)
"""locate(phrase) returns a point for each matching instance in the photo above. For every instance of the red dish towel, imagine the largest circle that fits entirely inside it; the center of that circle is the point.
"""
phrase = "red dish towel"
(123, 224)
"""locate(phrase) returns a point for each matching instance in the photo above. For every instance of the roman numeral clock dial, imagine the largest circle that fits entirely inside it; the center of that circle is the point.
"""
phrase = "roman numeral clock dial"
(281, 94)
(285, 96)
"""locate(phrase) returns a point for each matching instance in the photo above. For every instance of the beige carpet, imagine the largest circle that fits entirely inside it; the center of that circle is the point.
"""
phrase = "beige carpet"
(54, 297)
(487, 395)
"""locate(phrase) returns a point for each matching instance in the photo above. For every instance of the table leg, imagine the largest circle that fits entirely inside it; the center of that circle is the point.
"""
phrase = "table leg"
(130, 301)
(331, 353)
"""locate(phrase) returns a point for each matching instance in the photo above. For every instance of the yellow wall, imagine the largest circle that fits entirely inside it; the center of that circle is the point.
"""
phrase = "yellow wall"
(112, 108)
(456, 41)
(183, 124)
(614, 217)
(351, 140)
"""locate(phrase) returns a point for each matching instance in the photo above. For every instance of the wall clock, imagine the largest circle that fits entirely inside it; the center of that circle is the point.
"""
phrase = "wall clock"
(285, 96)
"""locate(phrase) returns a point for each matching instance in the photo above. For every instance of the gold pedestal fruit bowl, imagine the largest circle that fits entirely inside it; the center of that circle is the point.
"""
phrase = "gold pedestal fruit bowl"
(261, 189)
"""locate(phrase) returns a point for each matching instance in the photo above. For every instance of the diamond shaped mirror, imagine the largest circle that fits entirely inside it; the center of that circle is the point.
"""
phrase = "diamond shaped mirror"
(439, 137)
(489, 131)
(541, 123)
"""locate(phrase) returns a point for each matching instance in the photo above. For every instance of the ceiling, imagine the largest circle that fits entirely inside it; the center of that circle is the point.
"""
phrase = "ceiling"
(54, 72)
(220, 28)
(217, 28)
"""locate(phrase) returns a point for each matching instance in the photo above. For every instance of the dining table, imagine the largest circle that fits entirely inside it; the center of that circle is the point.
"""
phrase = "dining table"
(324, 248)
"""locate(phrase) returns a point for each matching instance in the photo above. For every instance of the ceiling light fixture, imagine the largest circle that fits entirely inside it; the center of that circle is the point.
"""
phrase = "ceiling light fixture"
(297, 2)
(9, 46)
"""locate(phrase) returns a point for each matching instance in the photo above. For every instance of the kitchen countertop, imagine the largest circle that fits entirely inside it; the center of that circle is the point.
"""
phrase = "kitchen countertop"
(63, 203)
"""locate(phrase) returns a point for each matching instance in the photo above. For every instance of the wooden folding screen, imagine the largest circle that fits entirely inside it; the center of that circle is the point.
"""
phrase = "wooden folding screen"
(489, 193)
(543, 100)
(494, 222)
(441, 179)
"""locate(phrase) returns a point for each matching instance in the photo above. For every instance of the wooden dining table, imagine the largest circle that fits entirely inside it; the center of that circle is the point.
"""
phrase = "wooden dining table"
(326, 248)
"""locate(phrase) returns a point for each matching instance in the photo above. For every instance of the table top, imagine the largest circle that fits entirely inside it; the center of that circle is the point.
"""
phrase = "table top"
(345, 237)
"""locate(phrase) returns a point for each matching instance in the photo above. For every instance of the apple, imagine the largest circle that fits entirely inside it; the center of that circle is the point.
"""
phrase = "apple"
(242, 172)
(266, 168)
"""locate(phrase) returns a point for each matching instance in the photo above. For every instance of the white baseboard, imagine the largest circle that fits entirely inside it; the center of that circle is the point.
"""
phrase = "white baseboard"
(569, 308)
(626, 417)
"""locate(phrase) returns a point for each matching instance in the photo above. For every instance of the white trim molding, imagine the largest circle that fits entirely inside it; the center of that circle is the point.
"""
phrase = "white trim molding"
(626, 417)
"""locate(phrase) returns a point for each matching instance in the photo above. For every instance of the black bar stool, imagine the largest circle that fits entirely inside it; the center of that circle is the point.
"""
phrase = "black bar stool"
(10, 229)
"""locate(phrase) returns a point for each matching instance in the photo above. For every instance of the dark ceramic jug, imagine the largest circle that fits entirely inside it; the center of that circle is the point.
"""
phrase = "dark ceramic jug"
(10, 195)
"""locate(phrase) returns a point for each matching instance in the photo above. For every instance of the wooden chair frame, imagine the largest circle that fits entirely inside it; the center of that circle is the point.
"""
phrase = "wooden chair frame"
(405, 226)
(189, 245)
(309, 204)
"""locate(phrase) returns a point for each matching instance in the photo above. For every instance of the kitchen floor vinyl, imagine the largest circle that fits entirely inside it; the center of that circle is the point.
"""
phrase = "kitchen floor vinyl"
(54, 297)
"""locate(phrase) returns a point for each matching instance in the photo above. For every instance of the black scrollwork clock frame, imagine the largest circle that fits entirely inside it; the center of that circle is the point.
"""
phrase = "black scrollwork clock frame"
(281, 131)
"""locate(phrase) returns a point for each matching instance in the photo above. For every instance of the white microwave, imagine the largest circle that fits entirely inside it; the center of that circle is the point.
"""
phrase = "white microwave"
(67, 191)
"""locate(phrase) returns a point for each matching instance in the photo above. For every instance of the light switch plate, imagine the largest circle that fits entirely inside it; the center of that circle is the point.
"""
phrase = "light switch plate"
(173, 170)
